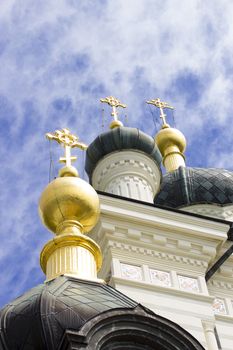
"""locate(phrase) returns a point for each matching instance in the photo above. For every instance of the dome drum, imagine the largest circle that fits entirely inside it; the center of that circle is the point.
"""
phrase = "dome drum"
(126, 162)
(128, 173)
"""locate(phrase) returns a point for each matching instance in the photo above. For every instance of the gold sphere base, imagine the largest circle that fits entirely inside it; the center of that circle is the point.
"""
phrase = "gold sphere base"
(115, 124)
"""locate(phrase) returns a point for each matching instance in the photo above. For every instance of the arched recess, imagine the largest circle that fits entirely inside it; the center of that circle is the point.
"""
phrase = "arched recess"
(125, 329)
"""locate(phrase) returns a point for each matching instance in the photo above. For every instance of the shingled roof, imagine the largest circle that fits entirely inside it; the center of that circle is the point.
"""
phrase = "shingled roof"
(187, 186)
(42, 314)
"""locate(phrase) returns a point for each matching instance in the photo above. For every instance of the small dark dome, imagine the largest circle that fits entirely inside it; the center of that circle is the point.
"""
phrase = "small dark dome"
(119, 139)
(188, 186)
(39, 318)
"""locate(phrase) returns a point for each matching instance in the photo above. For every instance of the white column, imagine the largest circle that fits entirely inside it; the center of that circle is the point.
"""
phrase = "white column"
(209, 335)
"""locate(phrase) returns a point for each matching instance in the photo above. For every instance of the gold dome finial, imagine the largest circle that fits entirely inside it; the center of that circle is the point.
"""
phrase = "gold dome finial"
(68, 141)
(114, 103)
(170, 141)
(69, 207)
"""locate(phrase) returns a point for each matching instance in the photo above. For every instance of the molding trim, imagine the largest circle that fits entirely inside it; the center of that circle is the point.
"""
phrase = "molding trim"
(153, 217)
(161, 289)
(224, 318)
(220, 284)
(211, 210)
(159, 255)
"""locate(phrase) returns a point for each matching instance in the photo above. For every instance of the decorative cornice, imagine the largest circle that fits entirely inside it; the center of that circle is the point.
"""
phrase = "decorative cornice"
(142, 241)
(158, 255)
(188, 226)
(220, 284)
(211, 210)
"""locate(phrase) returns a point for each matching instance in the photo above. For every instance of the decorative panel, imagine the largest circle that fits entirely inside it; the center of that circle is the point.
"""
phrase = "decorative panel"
(161, 278)
(219, 306)
(131, 272)
(188, 284)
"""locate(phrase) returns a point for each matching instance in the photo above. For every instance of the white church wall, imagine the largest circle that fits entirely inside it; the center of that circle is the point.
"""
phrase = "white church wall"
(184, 308)
(159, 258)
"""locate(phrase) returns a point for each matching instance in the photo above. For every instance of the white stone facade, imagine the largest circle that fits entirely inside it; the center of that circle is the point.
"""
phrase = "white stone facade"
(128, 173)
(160, 257)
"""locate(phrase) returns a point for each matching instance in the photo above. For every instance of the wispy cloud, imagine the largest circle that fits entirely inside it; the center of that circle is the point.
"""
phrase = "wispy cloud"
(57, 60)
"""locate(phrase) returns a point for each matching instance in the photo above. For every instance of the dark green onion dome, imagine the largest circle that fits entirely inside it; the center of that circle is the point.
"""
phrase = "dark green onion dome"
(119, 139)
(68, 313)
(188, 186)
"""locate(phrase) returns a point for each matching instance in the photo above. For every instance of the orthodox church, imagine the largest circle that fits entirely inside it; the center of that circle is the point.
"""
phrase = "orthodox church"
(139, 260)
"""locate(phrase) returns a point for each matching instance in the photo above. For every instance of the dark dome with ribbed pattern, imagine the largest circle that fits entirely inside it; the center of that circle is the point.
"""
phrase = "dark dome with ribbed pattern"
(68, 313)
(39, 318)
(187, 186)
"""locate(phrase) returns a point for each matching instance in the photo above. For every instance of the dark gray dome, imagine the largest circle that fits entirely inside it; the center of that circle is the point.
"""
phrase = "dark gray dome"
(119, 139)
(68, 313)
(187, 186)
(39, 318)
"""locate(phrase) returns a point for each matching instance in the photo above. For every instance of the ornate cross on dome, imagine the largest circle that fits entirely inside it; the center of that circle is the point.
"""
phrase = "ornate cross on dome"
(114, 103)
(161, 105)
(68, 140)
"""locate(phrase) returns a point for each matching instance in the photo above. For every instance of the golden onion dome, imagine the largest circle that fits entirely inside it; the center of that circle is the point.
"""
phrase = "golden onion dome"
(69, 207)
(69, 199)
(68, 202)
(168, 137)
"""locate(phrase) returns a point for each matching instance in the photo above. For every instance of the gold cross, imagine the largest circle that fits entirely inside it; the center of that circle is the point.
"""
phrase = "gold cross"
(68, 141)
(114, 103)
(161, 105)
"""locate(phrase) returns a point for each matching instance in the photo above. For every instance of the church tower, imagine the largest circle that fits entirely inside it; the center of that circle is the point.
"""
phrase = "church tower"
(74, 308)
(161, 253)
(124, 161)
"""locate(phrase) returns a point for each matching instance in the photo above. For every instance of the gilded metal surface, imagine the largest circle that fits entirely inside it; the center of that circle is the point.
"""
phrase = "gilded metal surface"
(68, 171)
(69, 198)
(68, 140)
(114, 103)
(68, 207)
(168, 137)
(115, 124)
(69, 241)
(161, 105)
(171, 142)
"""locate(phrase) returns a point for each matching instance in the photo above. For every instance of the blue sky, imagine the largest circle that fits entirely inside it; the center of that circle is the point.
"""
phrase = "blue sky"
(58, 58)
